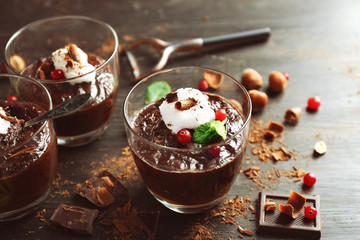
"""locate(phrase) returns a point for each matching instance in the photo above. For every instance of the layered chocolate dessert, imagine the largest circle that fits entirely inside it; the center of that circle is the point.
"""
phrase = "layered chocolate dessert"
(70, 72)
(201, 169)
(28, 156)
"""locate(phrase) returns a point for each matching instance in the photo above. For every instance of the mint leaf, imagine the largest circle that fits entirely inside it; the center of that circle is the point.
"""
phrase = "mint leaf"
(156, 90)
(207, 132)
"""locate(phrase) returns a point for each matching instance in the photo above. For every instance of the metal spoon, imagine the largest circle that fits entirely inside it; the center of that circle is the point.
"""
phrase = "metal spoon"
(63, 109)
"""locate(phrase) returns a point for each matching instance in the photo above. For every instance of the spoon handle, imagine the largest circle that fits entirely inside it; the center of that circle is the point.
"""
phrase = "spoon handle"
(63, 109)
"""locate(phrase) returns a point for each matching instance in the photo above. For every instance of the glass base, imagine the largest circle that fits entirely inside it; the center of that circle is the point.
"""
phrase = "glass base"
(83, 139)
(188, 209)
(24, 211)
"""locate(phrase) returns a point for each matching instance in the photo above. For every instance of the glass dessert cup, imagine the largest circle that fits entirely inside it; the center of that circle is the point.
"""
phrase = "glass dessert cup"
(40, 39)
(28, 156)
(188, 179)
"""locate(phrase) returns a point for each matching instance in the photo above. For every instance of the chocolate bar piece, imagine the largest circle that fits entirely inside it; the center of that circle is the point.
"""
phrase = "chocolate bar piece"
(103, 189)
(74, 218)
(149, 221)
(277, 223)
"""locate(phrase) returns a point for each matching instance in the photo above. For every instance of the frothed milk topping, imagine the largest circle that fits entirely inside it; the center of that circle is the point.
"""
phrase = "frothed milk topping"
(197, 113)
(73, 66)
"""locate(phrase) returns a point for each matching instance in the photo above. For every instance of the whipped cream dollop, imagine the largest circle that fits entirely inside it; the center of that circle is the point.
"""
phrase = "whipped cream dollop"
(74, 63)
(186, 108)
(4, 124)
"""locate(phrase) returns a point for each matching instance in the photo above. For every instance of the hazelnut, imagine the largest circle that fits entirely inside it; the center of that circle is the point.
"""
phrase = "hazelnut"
(292, 115)
(258, 99)
(17, 63)
(277, 81)
(251, 79)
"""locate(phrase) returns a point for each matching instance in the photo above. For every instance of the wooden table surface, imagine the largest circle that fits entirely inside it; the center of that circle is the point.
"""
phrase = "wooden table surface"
(316, 42)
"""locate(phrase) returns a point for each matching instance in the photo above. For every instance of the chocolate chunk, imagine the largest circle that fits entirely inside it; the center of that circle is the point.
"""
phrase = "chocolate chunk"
(149, 221)
(277, 223)
(74, 218)
(103, 189)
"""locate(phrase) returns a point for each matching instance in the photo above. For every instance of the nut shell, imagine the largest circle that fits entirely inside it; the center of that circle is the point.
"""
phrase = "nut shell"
(214, 79)
(258, 100)
(292, 115)
(251, 79)
(277, 81)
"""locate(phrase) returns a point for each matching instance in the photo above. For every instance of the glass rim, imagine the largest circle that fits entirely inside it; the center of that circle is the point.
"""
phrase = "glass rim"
(211, 145)
(44, 123)
(67, 17)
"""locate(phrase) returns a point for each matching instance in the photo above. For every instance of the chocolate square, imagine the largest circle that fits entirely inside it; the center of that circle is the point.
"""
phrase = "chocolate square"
(74, 218)
(277, 223)
(90, 189)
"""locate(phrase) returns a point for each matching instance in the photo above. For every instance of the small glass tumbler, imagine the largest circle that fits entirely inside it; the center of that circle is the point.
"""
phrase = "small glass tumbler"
(28, 156)
(27, 48)
(194, 178)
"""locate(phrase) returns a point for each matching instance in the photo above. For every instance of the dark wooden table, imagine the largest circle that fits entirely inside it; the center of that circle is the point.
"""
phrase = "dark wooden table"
(316, 42)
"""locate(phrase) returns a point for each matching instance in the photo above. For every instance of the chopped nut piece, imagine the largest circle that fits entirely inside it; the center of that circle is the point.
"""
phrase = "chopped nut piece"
(294, 205)
(17, 63)
(214, 79)
(320, 147)
(292, 115)
(270, 205)
(73, 52)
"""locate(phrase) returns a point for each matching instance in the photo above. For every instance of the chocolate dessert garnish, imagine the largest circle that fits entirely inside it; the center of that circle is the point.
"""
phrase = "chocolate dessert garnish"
(103, 189)
(44, 71)
(270, 205)
(171, 97)
(294, 205)
(276, 223)
(12, 119)
(185, 104)
(74, 218)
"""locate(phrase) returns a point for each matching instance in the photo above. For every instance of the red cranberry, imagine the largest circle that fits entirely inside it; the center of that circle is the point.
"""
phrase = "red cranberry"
(313, 103)
(203, 85)
(183, 136)
(57, 74)
(310, 212)
(214, 151)
(220, 114)
(309, 179)
(286, 75)
(12, 98)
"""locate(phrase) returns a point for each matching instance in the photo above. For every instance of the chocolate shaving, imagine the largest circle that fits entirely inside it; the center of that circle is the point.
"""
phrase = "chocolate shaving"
(185, 104)
(294, 205)
(23, 151)
(12, 119)
(171, 97)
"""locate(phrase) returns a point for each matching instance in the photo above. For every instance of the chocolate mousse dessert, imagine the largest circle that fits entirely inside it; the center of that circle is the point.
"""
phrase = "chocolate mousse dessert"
(193, 147)
(28, 157)
(70, 72)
